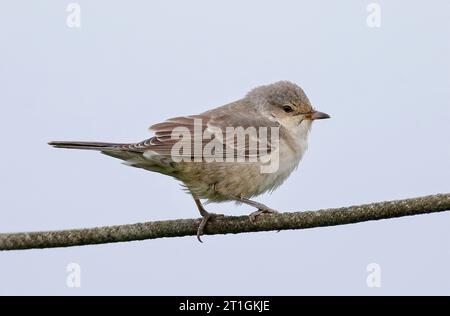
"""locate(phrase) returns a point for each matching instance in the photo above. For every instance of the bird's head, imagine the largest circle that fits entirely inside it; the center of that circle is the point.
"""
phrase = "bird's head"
(286, 103)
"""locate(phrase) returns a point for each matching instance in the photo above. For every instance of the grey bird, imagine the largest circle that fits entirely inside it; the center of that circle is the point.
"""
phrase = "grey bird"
(282, 106)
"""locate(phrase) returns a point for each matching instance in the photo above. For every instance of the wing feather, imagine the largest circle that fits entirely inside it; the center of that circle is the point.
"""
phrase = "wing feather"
(218, 123)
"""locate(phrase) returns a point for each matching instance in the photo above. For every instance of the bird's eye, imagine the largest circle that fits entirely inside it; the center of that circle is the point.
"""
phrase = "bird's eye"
(287, 108)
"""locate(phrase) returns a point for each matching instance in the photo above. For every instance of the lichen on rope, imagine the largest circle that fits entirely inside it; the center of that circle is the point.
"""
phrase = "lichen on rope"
(227, 224)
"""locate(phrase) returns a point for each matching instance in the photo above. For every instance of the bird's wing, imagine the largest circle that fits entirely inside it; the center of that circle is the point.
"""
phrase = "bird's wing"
(218, 133)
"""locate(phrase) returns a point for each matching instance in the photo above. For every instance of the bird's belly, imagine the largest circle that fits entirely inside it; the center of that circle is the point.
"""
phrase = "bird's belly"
(222, 181)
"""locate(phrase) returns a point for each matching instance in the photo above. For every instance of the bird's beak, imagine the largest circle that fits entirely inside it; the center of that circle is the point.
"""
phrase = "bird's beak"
(316, 115)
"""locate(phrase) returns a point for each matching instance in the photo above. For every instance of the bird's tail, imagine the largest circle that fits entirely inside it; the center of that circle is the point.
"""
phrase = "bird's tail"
(120, 151)
(85, 145)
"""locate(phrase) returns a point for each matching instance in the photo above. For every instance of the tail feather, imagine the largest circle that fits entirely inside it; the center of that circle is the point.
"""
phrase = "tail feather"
(85, 145)
(132, 154)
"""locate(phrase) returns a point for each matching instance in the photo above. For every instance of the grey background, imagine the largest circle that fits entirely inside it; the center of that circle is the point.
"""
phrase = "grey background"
(135, 63)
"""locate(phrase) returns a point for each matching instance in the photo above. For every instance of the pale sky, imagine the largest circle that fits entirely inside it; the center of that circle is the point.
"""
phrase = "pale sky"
(133, 64)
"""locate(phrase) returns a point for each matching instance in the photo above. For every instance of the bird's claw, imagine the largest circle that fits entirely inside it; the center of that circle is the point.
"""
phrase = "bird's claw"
(252, 217)
(206, 218)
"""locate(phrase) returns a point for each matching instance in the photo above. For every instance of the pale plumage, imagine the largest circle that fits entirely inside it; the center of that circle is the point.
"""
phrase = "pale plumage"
(282, 105)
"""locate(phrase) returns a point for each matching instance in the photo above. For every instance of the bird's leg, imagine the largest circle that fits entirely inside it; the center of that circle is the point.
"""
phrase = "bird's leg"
(206, 217)
(262, 209)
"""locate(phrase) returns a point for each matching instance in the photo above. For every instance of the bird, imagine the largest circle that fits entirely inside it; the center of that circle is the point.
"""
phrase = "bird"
(269, 126)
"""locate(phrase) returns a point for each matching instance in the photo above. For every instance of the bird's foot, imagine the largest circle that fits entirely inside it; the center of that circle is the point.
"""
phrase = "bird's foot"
(206, 218)
(261, 211)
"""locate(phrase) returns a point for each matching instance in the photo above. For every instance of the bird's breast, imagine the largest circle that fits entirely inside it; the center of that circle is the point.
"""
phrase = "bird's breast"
(219, 181)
